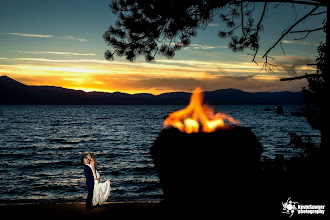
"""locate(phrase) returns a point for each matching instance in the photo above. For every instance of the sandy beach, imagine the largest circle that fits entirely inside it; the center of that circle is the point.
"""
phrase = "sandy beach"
(109, 209)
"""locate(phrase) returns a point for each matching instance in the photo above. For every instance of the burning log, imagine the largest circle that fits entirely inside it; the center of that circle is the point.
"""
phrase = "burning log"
(198, 166)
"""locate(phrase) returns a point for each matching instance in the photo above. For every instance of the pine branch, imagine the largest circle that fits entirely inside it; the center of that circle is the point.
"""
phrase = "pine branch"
(302, 77)
(308, 32)
(289, 29)
(258, 28)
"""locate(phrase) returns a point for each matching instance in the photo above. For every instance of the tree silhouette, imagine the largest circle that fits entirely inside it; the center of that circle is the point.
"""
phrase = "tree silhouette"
(150, 27)
(317, 92)
(147, 28)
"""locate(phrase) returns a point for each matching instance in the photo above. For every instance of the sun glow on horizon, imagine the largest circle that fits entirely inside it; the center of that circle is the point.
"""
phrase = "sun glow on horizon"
(163, 76)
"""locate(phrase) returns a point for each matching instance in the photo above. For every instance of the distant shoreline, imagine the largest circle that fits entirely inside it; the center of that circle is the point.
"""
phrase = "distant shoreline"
(37, 202)
(109, 209)
(13, 92)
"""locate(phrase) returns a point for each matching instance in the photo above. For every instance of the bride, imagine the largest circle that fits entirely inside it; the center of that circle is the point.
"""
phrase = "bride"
(101, 191)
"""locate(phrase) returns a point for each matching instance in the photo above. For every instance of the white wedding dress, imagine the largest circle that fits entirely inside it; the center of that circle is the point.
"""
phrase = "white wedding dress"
(101, 191)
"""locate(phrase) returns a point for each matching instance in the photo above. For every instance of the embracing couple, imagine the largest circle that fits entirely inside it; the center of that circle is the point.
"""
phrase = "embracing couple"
(98, 192)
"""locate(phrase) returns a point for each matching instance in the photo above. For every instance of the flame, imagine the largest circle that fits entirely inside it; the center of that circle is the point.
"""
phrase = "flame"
(197, 116)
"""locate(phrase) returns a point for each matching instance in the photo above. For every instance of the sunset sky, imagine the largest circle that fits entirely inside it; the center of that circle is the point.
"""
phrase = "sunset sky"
(59, 43)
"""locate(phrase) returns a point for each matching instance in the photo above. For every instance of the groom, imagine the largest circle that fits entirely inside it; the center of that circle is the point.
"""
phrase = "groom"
(89, 182)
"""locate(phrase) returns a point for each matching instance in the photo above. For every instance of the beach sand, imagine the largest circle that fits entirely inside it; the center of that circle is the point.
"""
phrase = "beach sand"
(109, 209)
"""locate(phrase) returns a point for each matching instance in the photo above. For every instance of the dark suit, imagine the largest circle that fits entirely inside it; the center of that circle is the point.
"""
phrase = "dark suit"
(90, 185)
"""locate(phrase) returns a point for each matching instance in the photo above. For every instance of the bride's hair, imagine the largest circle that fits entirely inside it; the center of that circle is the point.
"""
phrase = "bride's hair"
(82, 162)
(93, 157)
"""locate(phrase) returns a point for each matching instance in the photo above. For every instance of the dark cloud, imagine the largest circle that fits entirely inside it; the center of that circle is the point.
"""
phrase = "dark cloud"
(294, 66)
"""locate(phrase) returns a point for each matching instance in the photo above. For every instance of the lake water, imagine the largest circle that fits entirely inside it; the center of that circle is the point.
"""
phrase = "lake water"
(41, 147)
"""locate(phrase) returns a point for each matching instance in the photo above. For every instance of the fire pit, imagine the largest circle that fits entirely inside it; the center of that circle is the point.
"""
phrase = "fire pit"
(200, 159)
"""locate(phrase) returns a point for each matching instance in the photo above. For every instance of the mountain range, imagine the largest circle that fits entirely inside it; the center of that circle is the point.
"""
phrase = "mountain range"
(13, 92)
